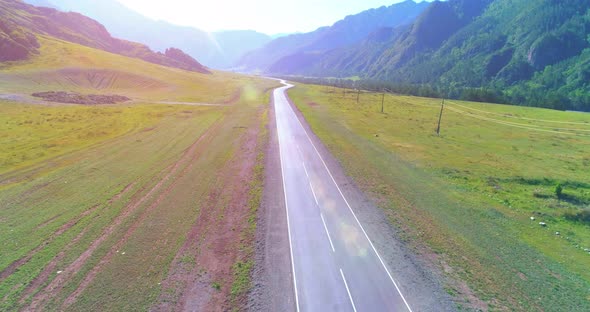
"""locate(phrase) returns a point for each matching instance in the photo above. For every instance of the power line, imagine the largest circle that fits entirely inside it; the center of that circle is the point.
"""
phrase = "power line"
(513, 124)
(524, 118)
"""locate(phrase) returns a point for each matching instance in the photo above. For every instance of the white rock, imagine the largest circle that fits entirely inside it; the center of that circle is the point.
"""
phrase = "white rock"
(123, 253)
(59, 272)
(542, 224)
(556, 233)
(532, 218)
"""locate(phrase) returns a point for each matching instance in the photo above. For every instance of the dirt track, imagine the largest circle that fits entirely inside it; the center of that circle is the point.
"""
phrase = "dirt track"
(58, 283)
(217, 240)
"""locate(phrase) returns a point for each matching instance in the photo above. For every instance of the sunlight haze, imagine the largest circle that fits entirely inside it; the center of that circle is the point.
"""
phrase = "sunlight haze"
(303, 155)
(286, 17)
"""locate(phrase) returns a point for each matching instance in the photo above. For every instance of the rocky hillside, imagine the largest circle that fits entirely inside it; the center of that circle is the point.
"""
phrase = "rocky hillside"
(23, 21)
(216, 50)
(16, 43)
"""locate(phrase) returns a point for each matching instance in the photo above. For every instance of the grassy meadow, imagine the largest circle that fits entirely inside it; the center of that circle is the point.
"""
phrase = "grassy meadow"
(471, 199)
(98, 202)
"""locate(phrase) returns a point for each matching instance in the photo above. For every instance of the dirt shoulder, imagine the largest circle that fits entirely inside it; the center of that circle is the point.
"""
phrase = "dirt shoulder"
(272, 281)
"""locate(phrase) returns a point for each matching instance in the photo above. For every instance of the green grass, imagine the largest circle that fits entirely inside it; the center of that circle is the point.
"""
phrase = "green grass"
(83, 180)
(64, 66)
(468, 195)
(33, 133)
(65, 164)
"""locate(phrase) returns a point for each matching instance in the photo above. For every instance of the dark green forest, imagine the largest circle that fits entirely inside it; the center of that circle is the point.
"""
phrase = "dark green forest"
(523, 52)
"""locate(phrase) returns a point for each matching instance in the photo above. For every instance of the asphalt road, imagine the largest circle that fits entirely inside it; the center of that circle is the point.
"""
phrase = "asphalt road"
(334, 263)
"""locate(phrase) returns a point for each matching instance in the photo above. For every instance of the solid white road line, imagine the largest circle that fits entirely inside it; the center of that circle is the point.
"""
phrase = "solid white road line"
(355, 217)
(288, 222)
(327, 232)
(348, 290)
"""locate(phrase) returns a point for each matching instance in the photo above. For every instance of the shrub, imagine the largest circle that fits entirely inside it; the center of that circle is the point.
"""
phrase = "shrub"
(559, 190)
(580, 216)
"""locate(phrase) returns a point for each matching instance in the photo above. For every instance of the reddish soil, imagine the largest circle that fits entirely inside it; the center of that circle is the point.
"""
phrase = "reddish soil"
(18, 263)
(50, 268)
(10, 269)
(137, 200)
(234, 98)
(76, 98)
(186, 161)
(215, 242)
(272, 283)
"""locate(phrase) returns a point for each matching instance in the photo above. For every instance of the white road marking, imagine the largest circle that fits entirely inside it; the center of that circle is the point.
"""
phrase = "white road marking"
(314, 196)
(327, 232)
(311, 185)
(288, 222)
(304, 168)
(355, 217)
(348, 290)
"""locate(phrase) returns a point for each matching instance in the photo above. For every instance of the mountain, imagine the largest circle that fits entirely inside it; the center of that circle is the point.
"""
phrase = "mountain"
(233, 44)
(351, 30)
(526, 52)
(217, 50)
(20, 23)
(42, 3)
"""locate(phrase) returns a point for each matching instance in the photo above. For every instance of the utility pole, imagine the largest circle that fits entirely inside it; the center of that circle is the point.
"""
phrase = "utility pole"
(358, 94)
(442, 106)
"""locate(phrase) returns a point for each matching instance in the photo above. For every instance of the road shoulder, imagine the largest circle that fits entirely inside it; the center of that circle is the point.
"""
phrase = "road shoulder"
(272, 278)
(419, 283)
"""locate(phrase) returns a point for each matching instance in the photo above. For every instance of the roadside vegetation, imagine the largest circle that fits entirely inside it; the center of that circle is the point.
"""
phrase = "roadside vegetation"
(99, 204)
(499, 200)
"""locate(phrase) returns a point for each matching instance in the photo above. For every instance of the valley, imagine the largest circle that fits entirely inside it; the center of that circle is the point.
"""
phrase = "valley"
(107, 193)
(415, 156)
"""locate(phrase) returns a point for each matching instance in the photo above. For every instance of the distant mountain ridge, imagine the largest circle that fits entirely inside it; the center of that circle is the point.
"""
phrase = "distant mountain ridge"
(350, 30)
(20, 22)
(526, 52)
(217, 50)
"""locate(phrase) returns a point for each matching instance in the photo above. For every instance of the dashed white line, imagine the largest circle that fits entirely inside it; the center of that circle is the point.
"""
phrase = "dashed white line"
(299, 150)
(350, 208)
(288, 221)
(304, 168)
(327, 232)
(310, 185)
(348, 290)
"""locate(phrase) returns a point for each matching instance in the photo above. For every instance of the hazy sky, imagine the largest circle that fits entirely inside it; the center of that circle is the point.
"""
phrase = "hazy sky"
(267, 16)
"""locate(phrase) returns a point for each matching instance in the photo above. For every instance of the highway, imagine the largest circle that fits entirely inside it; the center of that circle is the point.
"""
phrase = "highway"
(335, 266)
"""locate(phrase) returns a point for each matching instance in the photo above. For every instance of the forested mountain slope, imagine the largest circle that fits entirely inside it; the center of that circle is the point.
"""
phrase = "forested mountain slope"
(528, 52)
(353, 29)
